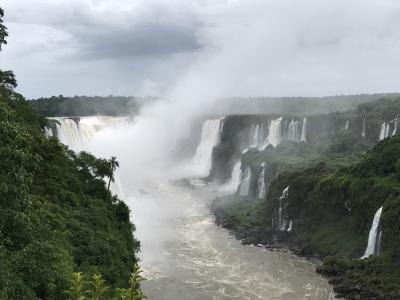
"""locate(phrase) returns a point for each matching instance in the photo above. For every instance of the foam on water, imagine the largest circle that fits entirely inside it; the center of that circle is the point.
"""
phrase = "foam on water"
(202, 261)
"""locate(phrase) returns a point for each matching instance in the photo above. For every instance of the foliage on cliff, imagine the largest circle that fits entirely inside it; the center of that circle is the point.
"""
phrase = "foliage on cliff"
(87, 106)
(332, 211)
(56, 214)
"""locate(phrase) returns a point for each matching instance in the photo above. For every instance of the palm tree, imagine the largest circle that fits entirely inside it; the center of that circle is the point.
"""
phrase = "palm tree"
(114, 164)
(77, 289)
(98, 287)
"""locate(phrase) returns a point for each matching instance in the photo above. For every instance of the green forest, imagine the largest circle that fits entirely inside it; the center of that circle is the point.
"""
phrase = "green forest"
(57, 217)
(88, 106)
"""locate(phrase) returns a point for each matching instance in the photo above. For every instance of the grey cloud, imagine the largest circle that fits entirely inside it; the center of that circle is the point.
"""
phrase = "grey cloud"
(141, 40)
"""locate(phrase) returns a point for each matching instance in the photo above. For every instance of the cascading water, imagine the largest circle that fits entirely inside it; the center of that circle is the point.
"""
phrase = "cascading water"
(303, 137)
(274, 134)
(293, 131)
(261, 183)
(183, 252)
(385, 131)
(283, 223)
(395, 127)
(254, 136)
(232, 185)
(244, 187)
(373, 246)
(77, 132)
(346, 125)
(363, 128)
(210, 137)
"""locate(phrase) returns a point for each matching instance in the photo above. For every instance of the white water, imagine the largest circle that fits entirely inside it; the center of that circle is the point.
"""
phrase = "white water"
(304, 131)
(261, 184)
(373, 237)
(347, 125)
(244, 187)
(210, 137)
(385, 131)
(274, 134)
(77, 134)
(233, 183)
(283, 222)
(293, 131)
(363, 128)
(254, 139)
(186, 257)
(395, 127)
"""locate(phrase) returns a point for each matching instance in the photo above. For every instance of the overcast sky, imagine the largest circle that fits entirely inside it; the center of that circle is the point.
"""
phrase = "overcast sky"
(210, 48)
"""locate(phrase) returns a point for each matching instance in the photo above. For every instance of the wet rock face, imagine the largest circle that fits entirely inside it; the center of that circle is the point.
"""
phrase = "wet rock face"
(243, 132)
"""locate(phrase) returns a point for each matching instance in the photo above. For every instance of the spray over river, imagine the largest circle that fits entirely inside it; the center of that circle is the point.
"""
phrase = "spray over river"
(184, 255)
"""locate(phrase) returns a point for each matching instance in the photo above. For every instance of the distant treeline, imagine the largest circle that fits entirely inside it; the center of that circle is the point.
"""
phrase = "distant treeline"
(298, 105)
(86, 106)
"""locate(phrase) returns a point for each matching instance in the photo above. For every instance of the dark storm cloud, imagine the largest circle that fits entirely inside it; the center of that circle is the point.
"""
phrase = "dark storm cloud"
(95, 31)
(141, 40)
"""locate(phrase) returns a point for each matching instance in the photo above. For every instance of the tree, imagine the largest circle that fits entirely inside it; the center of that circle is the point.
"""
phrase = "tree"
(113, 166)
(77, 289)
(7, 78)
(98, 287)
(3, 29)
(133, 292)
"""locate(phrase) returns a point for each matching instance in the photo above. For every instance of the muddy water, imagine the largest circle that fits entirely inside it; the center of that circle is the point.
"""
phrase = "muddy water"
(185, 256)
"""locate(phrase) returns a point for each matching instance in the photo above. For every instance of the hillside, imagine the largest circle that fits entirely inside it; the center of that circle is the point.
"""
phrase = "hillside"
(319, 198)
(56, 214)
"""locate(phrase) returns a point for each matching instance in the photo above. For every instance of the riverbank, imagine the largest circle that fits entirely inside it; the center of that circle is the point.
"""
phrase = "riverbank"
(186, 256)
(371, 279)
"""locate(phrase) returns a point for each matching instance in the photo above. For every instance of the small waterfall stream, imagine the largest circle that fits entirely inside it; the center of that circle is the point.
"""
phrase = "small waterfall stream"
(244, 187)
(303, 137)
(283, 223)
(363, 128)
(233, 183)
(373, 246)
(385, 131)
(261, 184)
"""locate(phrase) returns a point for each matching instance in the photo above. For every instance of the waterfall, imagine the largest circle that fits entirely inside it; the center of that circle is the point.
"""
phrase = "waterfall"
(244, 187)
(363, 128)
(210, 137)
(68, 133)
(261, 137)
(382, 132)
(293, 131)
(385, 131)
(374, 237)
(274, 133)
(395, 127)
(261, 183)
(254, 140)
(346, 125)
(304, 131)
(77, 132)
(283, 223)
(232, 185)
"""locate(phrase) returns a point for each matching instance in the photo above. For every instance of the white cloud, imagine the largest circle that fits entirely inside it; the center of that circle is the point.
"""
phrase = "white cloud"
(242, 47)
